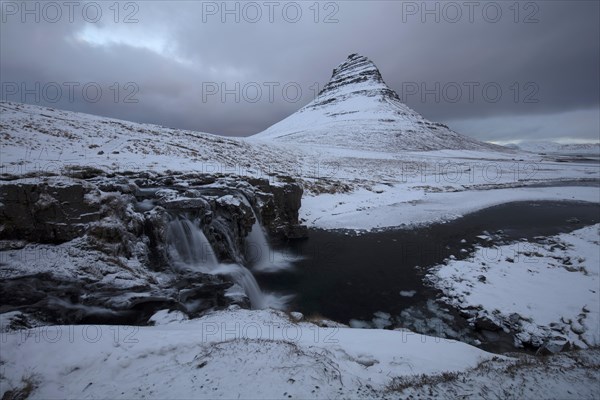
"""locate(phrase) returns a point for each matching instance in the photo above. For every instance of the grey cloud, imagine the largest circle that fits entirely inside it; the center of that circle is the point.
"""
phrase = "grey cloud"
(558, 57)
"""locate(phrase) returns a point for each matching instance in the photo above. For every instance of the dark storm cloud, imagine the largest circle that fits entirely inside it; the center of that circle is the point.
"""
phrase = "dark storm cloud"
(533, 73)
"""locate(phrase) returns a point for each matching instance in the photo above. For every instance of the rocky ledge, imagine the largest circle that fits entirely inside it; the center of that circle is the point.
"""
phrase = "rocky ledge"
(93, 248)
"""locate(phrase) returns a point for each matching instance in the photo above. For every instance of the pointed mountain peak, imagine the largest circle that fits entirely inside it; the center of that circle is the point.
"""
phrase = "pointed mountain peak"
(356, 71)
(356, 76)
(357, 110)
(356, 65)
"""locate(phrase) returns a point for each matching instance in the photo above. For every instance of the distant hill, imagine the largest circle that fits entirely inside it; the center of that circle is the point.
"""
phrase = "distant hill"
(589, 149)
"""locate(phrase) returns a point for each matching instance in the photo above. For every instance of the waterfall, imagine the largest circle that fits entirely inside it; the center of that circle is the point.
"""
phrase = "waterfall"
(190, 249)
(258, 252)
(243, 277)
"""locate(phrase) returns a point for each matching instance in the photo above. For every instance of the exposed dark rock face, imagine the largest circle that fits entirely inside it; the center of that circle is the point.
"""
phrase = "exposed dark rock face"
(279, 205)
(111, 238)
(46, 213)
(357, 69)
(56, 300)
(486, 324)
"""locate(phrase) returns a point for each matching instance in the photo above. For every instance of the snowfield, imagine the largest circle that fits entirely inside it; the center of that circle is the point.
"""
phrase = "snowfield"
(364, 210)
(228, 354)
(266, 354)
(544, 291)
(40, 140)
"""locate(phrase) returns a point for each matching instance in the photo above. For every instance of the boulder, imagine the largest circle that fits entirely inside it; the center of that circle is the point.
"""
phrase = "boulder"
(486, 324)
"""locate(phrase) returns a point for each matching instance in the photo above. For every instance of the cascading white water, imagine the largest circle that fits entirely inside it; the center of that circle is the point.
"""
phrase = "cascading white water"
(190, 249)
(190, 245)
(258, 252)
(243, 277)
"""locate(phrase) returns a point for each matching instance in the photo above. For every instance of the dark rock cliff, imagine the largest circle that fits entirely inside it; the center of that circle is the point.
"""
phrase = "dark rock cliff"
(110, 237)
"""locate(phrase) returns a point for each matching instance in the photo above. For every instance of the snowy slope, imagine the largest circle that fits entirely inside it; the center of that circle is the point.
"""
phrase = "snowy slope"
(356, 109)
(227, 354)
(263, 354)
(41, 139)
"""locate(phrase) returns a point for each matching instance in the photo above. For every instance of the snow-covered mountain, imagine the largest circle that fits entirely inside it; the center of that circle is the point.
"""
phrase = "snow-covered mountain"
(356, 109)
(589, 149)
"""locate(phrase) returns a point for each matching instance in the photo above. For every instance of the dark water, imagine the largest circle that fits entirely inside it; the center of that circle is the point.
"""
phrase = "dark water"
(342, 276)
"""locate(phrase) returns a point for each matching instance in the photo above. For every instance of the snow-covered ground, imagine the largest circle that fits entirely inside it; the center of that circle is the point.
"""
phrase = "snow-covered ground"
(378, 189)
(345, 187)
(266, 354)
(253, 354)
(547, 291)
(396, 206)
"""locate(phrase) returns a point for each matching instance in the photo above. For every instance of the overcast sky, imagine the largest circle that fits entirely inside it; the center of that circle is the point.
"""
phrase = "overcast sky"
(498, 71)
